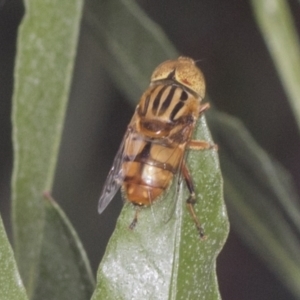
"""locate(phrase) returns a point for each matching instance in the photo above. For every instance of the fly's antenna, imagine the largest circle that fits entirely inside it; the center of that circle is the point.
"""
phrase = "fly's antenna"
(199, 60)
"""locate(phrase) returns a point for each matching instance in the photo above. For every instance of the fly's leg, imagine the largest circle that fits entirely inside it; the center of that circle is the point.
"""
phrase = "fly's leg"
(192, 199)
(201, 145)
(198, 144)
(203, 108)
(195, 145)
(135, 219)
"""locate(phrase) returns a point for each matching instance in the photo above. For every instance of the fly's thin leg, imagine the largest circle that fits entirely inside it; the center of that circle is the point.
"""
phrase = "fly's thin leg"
(192, 199)
(135, 219)
(201, 145)
(203, 108)
(198, 144)
(195, 145)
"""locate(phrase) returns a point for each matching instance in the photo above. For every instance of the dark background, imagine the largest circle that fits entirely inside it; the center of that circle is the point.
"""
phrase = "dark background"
(241, 80)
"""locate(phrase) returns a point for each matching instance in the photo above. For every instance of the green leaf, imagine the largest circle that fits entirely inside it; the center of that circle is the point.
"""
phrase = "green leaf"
(261, 198)
(11, 286)
(64, 271)
(131, 44)
(277, 26)
(47, 45)
(163, 257)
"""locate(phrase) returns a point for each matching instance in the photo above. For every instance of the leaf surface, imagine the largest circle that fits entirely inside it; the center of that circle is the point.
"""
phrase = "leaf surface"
(11, 285)
(64, 271)
(47, 46)
(163, 257)
(263, 204)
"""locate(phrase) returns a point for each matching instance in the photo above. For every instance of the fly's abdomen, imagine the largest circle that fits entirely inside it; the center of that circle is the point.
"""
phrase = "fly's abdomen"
(145, 183)
(150, 173)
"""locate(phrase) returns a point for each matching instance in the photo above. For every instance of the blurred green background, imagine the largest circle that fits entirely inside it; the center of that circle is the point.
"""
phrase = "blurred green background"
(241, 80)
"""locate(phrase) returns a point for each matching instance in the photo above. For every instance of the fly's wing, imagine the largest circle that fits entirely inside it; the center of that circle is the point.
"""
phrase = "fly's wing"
(114, 179)
(116, 175)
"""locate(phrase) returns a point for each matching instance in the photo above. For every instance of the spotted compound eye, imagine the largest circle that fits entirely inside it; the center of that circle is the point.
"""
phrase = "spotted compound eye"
(184, 71)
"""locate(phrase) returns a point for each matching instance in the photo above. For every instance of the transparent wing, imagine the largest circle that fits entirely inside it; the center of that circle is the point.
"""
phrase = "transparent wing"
(114, 178)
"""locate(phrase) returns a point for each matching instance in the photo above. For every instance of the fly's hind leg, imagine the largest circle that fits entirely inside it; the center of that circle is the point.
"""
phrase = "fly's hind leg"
(135, 219)
(192, 200)
(195, 145)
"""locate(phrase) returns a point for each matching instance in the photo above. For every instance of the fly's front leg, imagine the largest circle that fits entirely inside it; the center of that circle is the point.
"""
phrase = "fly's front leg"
(198, 144)
(203, 108)
(192, 199)
(201, 145)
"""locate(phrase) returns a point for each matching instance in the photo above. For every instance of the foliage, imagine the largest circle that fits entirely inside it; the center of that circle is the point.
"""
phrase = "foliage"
(260, 195)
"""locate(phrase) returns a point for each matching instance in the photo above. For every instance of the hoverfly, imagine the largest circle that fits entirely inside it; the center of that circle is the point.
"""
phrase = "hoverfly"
(158, 135)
